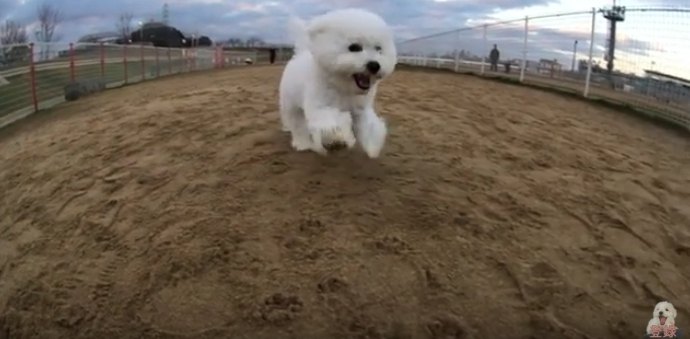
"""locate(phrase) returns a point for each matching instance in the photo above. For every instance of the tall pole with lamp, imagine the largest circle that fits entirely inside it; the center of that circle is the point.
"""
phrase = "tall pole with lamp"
(574, 55)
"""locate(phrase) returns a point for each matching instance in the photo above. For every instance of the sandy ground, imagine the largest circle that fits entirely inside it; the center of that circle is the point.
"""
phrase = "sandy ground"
(521, 214)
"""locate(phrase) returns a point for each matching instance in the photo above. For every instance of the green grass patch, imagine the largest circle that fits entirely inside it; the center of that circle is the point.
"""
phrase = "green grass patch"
(50, 82)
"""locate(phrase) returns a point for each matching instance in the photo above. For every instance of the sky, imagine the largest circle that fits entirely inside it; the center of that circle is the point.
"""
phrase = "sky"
(646, 40)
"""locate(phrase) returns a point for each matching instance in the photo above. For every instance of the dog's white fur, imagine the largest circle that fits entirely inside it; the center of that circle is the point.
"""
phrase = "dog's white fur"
(662, 309)
(320, 103)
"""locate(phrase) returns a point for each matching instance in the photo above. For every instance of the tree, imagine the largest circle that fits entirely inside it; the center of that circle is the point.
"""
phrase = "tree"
(255, 42)
(235, 42)
(124, 25)
(11, 35)
(12, 32)
(49, 18)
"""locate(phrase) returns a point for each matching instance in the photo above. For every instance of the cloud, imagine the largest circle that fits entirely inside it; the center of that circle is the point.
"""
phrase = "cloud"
(221, 19)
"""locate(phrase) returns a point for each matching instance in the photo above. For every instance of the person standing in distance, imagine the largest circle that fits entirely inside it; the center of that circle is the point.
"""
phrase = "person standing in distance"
(493, 57)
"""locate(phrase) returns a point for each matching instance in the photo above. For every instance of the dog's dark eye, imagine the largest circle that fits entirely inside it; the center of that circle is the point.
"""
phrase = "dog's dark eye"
(355, 48)
(667, 310)
(378, 48)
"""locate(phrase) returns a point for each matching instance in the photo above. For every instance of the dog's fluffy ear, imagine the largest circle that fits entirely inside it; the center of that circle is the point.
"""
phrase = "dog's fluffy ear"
(656, 309)
(673, 310)
(297, 29)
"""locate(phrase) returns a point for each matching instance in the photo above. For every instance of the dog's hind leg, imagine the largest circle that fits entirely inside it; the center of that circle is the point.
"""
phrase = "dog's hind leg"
(283, 123)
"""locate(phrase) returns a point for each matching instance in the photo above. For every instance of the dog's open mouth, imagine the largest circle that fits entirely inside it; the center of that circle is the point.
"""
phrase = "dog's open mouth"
(362, 80)
(662, 320)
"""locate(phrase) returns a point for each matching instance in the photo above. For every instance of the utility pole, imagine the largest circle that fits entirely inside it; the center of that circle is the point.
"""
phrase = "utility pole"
(572, 69)
(614, 15)
(166, 13)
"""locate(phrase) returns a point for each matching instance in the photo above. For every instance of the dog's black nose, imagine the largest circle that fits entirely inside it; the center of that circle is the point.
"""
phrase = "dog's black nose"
(373, 67)
(661, 313)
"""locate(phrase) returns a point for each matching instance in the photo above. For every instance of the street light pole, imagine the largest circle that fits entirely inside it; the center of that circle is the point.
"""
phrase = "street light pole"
(574, 55)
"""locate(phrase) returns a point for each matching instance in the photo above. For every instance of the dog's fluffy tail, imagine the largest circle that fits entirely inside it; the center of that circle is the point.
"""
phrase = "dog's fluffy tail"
(297, 29)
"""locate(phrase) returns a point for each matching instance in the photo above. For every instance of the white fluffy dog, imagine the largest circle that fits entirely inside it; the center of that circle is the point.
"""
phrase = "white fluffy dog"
(328, 88)
(664, 314)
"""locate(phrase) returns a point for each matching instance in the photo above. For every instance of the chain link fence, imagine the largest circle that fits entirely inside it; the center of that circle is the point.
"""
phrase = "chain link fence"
(38, 76)
(648, 70)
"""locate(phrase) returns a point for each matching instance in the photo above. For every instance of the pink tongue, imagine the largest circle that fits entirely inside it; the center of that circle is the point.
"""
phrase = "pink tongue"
(662, 320)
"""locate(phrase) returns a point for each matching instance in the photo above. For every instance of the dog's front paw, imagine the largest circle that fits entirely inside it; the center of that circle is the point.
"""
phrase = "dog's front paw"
(372, 136)
(301, 143)
(330, 137)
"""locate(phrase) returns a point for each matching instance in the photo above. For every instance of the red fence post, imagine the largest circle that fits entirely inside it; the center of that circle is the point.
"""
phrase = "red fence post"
(222, 56)
(158, 65)
(102, 49)
(124, 60)
(32, 76)
(169, 62)
(143, 68)
(71, 62)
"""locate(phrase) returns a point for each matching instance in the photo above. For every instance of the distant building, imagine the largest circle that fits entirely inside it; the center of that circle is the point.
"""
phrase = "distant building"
(105, 37)
(665, 87)
(14, 54)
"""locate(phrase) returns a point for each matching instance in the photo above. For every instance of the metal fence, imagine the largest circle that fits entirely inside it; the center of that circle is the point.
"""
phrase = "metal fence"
(38, 76)
(570, 52)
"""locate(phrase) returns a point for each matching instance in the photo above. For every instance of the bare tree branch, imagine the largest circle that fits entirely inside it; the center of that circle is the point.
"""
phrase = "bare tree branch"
(235, 42)
(12, 35)
(124, 25)
(12, 32)
(48, 19)
(254, 42)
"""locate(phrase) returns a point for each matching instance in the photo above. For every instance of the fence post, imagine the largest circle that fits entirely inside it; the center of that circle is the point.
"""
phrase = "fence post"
(143, 65)
(102, 52)
(222, 56)
(591, 50)
(158, 65)
(124, 61)
(484, 50)
(169, 62)
(194, 59)
(457, 53)
(187, 60)
(71, 62)
(32, 75)
(524, 51)
(219, 51)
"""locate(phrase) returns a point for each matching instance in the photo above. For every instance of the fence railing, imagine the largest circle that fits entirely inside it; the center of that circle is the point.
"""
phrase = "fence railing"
(568, 51)
(38, 76)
